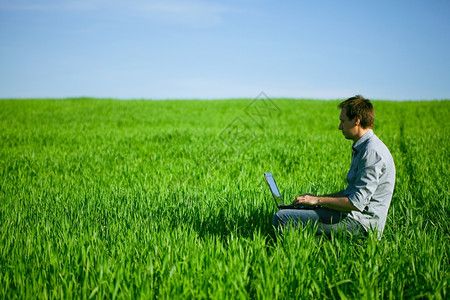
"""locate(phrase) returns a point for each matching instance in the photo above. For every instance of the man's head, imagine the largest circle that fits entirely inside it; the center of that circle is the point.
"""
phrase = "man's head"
(357, 117)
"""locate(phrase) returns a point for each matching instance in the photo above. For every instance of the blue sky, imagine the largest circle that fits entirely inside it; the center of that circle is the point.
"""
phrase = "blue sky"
(194, 49)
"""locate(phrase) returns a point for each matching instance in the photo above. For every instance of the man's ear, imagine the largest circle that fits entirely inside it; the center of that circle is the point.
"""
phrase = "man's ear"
(357, 121)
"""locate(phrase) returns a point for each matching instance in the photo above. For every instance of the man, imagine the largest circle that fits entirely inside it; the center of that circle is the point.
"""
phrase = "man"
(364, 204)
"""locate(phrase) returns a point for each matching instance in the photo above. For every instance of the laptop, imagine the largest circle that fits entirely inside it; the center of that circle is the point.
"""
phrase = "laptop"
(279, 202)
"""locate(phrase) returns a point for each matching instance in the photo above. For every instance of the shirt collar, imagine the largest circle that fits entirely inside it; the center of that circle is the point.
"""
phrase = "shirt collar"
(357, 146)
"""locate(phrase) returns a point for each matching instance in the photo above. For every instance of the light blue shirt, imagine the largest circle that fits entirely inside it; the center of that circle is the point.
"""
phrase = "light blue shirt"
(371, 181)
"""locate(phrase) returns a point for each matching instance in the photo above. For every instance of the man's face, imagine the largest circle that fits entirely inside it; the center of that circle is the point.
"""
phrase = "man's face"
(347, 126)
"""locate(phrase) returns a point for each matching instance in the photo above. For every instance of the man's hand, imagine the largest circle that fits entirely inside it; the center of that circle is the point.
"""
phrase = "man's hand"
(306, 199)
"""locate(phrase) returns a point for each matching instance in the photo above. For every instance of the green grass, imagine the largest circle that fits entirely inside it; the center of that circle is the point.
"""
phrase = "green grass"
(167, 199)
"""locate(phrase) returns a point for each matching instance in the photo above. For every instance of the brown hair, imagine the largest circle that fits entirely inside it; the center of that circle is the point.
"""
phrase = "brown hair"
(360, 108)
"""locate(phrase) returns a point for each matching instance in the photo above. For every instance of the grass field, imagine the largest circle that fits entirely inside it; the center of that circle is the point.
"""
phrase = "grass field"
(167, 199)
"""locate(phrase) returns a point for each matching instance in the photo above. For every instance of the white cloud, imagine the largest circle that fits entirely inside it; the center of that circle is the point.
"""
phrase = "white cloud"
(193, 12)
(170, 11)
(49, 5)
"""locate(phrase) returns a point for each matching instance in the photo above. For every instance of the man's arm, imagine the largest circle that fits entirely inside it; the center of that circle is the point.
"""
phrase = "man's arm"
(336, 201)
(337, 194)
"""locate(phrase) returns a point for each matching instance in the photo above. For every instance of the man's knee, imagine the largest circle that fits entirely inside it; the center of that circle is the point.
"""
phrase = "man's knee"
(276, 220)
(283, 218)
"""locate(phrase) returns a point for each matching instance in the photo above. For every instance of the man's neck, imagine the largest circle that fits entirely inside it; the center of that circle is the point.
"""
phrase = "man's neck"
(361, 133)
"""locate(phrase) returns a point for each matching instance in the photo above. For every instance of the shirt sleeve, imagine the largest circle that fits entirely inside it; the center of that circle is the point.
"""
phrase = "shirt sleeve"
(369, 170)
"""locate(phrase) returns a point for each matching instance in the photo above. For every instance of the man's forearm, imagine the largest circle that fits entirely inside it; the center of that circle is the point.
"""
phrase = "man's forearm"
(336, 201)
(337, 194)
(341, 203)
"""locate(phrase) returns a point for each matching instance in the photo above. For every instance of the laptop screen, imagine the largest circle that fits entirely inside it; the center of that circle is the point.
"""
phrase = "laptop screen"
(273, 188)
